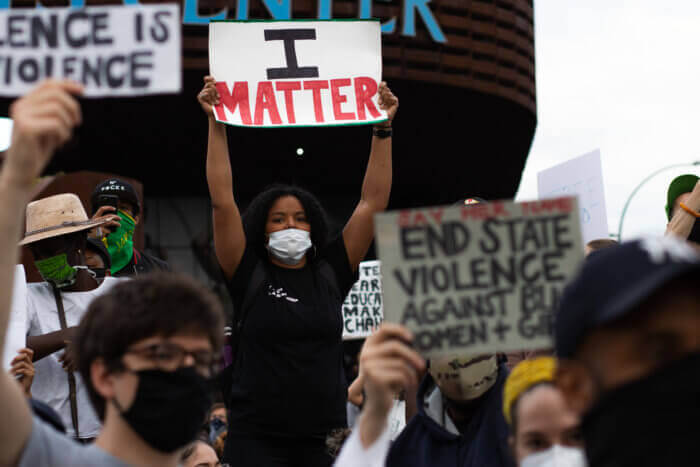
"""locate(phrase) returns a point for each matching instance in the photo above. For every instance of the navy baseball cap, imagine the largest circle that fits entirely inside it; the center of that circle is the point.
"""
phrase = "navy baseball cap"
(614, 281)
(114, 186)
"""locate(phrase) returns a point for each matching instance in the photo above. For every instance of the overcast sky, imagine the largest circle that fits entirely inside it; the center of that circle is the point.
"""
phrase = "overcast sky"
(622, 76)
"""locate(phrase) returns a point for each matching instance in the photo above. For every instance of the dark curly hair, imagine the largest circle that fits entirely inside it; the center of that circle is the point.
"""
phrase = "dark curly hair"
(255, 216)
(155, 304)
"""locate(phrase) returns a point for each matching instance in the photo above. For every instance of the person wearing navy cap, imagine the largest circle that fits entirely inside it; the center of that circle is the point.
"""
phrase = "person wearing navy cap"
(627, 332)
(117, 234)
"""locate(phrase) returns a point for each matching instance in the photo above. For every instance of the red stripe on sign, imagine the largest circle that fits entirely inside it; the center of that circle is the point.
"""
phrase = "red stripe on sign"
(316, 87)
(338, 99)
(365, 89)
(265, 100)
(232, 100)
(288, 87)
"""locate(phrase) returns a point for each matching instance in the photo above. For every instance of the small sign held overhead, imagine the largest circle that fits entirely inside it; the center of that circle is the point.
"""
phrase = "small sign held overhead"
(582, 177)
(112, 51)
(296, 73)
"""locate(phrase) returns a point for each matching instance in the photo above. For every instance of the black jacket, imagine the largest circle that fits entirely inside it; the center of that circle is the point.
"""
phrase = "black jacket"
(142, 263)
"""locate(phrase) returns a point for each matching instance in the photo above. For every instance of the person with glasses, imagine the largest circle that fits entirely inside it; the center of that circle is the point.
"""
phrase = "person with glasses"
(147, 349)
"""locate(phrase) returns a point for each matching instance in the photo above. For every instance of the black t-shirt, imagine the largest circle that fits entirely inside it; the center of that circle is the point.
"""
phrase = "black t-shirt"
(288, 378)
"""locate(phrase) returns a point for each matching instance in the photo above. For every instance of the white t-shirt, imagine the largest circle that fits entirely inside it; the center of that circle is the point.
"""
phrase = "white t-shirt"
(51, 381)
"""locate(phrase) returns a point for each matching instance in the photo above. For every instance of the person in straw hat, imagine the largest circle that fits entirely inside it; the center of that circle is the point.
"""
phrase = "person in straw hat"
(56, 233)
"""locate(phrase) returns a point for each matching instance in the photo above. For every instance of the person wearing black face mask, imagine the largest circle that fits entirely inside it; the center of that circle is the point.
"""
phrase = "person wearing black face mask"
(627, 333)
(683, 208)
(145, 348)
(97, 259)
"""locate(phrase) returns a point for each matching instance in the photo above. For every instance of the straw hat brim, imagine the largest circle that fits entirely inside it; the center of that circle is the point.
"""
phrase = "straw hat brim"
(59, 230)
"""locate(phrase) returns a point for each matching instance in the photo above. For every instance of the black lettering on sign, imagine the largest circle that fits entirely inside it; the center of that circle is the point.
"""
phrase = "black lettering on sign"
(292, 70)
(160, 32)
(75, 40)
(43, 33)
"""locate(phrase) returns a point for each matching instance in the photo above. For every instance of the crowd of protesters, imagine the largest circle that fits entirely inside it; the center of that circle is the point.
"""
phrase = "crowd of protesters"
(123, 365)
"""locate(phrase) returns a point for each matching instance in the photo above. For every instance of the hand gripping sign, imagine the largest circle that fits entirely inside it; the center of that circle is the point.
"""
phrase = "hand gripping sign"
(478, 279)
(296, 73)
(112, 51)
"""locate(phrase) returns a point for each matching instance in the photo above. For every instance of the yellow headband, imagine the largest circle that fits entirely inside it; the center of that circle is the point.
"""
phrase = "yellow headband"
(525, 375)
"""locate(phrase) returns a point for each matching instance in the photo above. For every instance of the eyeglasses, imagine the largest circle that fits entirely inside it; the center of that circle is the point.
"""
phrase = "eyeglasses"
(169, 357)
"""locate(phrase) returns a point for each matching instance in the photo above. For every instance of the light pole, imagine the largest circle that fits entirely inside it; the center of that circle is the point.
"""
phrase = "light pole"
(636, 189)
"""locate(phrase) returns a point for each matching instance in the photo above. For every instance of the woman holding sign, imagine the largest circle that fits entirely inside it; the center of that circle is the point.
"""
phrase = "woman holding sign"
(288, 279)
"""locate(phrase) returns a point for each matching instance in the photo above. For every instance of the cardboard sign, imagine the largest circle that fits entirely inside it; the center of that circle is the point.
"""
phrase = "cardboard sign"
(582, 177)
(296, 73)
(362, 308)
(478, 279)
(15, 337)
(113, 51)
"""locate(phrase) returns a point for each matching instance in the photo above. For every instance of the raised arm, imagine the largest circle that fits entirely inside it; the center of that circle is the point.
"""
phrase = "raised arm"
(46, 344)
(229, 238)
(376, 188)
(43, 120)
(682, 221)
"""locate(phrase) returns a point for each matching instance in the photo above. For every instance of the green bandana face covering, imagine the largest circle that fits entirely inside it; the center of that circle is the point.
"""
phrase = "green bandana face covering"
(120, 243)
(57, 271)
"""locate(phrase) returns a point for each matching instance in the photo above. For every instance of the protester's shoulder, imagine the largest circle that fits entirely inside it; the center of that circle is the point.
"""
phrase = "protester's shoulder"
(336, 255)
(238, 283)
(46, 446)
(153, 263)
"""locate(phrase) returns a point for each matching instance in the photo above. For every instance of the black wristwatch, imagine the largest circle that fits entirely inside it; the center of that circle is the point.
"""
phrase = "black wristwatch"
(381, 132)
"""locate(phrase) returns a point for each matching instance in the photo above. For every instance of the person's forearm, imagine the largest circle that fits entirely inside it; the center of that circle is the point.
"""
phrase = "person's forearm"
(355, 392)
(14, 195)
(682, 222)
(376, 186)
(46, 344)
(219, 175)
(371, 425)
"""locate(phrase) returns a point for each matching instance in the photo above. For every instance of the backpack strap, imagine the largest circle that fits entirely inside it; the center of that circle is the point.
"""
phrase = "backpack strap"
(257, 278)
(72, 392)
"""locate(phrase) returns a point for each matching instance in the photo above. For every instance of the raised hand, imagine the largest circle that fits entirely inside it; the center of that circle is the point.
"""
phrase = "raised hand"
(107, 213)
(43, 120)
(21, 367)
(208, 97)
(388, 101)
(388, 365)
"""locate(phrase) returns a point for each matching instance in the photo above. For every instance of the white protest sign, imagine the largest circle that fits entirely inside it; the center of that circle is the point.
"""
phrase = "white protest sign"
(113, 51)
(582, 177)
(362, 308)
(296, 73)
(15, 337)
(481, 278)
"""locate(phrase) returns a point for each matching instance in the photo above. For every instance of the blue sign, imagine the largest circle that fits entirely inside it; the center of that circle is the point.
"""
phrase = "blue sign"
(282, 9)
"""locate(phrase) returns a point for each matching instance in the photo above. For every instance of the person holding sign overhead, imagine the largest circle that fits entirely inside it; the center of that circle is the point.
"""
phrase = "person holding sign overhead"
(288, 279)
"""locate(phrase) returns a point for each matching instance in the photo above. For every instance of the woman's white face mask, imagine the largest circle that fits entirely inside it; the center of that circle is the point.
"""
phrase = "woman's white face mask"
(556, 456)
(289, 245)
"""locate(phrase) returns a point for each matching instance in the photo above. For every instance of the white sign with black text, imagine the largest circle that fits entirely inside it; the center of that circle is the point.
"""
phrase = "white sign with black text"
(111, 50)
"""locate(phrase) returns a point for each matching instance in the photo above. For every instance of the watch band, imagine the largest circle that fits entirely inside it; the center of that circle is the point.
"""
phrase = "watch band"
(381, 132)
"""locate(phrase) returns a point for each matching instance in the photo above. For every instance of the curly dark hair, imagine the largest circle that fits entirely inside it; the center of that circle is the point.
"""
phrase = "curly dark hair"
(155, 304)
(255, 216)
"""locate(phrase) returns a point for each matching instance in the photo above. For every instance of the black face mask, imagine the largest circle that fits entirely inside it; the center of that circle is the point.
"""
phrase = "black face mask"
(169, 407)
(694, 235)
(649, 422)
(100, 273)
